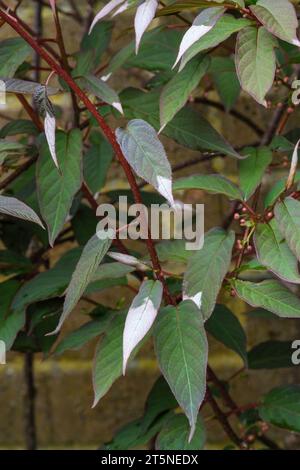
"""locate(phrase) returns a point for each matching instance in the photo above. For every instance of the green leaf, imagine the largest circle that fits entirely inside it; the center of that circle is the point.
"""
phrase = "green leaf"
(96, 162)
(287, 215)
(255, 62)
(216, 184)
(13, 52)
(270, 295)
(226, 81)
(15, 208)
(92, 255)
(146, 155)
(181, 348)
(78, 338)
(226, 328)
(225, 27)
(173, 250)
(57, 188)
(188, 127)
(11, 320)
(252, 169)
(274, 253)
(281, 407)
(175, 435)
(99, 88)
(270, 355)
(48, 284)
(207, 268)
(279, 17)
(177, 91)
(277, 189)
(18, 126)
(108, 358)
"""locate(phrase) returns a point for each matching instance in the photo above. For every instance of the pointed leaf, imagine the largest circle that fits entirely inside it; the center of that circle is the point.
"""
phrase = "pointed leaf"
(144, 15)
(281, 407)
(99, 88)
(181, 348)
(252, 169)
(105, 11)
(216, 184)
(270, 355)
(141, 316)
(224, 28)
(15, 208)
(224, 326)
(13, 52)
(270, 295)
(279, 17)
(207, 269)
(56, 189)
(287, 214)
(274, 253)
(92, 255)
(146, 155)
(177, 91)
(255, 62)
(202, 24)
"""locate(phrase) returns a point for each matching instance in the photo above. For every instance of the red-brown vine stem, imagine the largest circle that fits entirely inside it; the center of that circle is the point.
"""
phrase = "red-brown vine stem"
(106, 130)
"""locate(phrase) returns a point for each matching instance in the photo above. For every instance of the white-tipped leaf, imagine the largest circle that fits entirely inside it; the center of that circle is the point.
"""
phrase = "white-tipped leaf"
(15, 208)
(293, 169)
(105, 11)
(128, 259)
(141, 316)
(146, 155)
(144, 15)
(202, 24)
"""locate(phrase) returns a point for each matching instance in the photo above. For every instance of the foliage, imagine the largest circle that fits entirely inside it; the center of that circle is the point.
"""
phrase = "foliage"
(53, 175)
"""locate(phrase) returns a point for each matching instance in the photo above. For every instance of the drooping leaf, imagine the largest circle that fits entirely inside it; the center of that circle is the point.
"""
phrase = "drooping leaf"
(110, 6)
(15, 208)
(176, 92)
(207, 268)
(25, 87)
(188, 127)
(270, 295)
(57, 188)
(92, 255)
(175, 435)
(202, 24)
(13, 52)
(226, 81)
(224, 28)
(99, 88)
(224, 326)
(274, 253)
(146, 155)
(255, 62)
(216, 184)
(141, 316)
(287, 214)
(279, 17)
(144, 15)
(47, 112)
(270, 355)
(253, 168)
(181, 348)
(281, 407)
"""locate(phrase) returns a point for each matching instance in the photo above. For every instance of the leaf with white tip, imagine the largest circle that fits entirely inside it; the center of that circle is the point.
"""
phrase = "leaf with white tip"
(127, 259)
(105, 11)
(141, 316)
(46, 110)
(144, 15)
(15, 208)
(255, 61)
(287, 214)
(25, 87)
(92, 255)
(99, 88)
(207, 268)
(279, 17)
(202, 24)
(146, 155)
(293, 168)
(182, 349)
